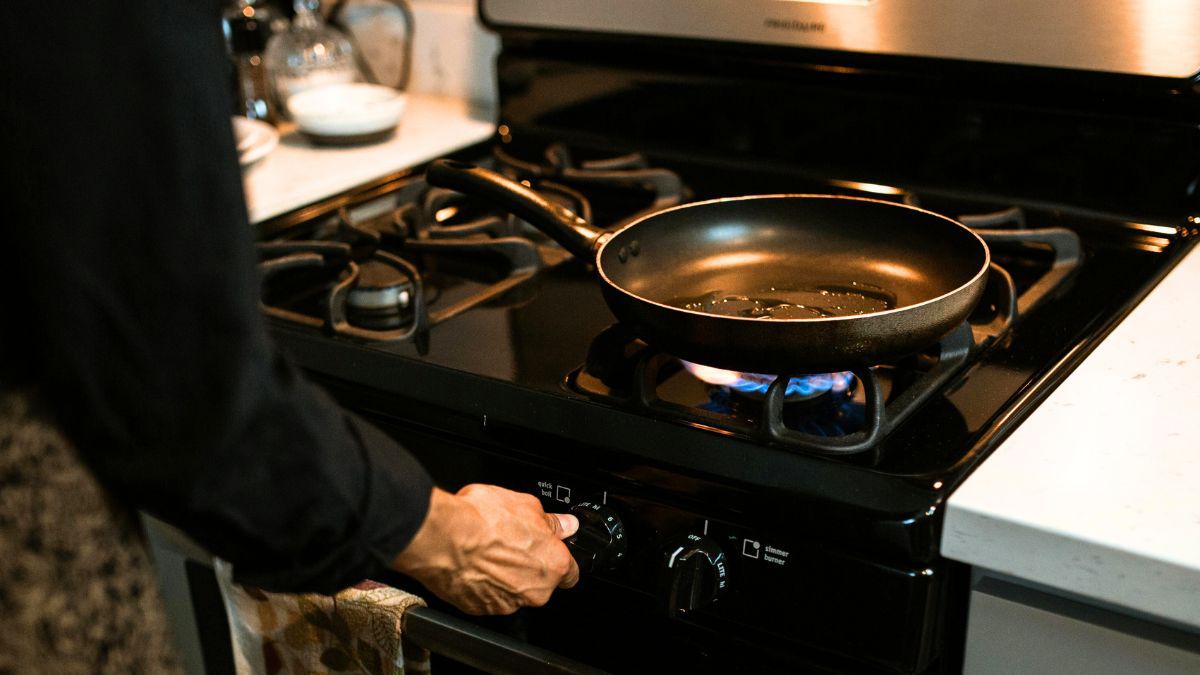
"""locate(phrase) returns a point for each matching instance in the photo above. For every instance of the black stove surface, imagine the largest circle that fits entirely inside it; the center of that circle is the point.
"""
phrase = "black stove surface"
(512, 360)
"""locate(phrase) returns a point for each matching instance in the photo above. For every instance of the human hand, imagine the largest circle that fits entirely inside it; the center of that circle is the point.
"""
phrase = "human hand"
(488, 550)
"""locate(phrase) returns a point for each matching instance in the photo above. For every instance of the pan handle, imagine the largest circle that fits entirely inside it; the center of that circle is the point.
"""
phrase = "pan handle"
(560, 223)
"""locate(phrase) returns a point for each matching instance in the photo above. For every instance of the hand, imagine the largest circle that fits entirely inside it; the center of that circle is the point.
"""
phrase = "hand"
(488, 550)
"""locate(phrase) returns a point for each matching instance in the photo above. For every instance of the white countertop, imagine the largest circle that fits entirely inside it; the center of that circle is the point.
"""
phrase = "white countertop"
(1098, 492)
(297, 173)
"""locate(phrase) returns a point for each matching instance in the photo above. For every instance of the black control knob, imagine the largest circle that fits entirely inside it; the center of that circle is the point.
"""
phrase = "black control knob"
(600, 542)
(695, 575)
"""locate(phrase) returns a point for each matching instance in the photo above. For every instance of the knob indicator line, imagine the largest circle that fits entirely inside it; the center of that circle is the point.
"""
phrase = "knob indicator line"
(671, 562)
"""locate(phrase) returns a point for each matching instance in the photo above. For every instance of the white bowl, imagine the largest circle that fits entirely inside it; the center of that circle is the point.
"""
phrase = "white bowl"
(347, 110)
(255, 139)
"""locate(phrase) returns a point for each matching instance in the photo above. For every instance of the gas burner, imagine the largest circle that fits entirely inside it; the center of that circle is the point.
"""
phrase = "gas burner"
(836, 414)
(388, 271)
(755, 386)
(381, 297)
(826, 415)
(343, 289)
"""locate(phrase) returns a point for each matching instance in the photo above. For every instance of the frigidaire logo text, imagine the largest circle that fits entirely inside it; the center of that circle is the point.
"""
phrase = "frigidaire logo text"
(796, 25)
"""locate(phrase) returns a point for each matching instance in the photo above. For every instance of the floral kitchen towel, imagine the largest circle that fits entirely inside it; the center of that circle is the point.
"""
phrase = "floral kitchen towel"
(356, 631)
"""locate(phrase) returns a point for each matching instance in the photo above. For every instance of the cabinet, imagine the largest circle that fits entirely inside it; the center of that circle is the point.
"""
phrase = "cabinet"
(1015, 628)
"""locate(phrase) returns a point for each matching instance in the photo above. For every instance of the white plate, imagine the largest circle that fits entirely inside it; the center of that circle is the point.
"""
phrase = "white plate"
(255, 139)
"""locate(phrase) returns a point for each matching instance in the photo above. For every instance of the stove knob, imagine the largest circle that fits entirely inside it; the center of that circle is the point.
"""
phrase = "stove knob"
(600, 542)
(696, 574)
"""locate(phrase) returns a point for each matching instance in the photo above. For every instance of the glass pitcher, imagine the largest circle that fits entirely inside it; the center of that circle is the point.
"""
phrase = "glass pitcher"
(310, 53)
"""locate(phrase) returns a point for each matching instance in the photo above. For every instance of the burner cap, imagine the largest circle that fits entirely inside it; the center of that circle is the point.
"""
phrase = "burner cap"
(380, 288)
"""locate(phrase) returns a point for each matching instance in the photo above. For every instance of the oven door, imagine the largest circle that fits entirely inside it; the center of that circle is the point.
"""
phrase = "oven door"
(465, 643)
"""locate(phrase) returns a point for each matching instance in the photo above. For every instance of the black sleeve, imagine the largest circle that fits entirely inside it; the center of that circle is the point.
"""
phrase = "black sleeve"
(137, 301)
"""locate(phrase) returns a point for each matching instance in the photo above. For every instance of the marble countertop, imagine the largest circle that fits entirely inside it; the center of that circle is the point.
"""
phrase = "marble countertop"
(1098, 492)
(297, 173)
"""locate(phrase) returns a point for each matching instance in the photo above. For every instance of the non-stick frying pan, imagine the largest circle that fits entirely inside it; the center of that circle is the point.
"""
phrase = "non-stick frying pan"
(768, 284)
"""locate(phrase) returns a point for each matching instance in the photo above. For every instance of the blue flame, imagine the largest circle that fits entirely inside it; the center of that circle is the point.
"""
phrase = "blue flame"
(806, 386)
(756, 384)
(845, 417)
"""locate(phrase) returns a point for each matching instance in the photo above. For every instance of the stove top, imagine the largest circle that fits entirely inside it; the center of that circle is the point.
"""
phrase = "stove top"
(491, 334)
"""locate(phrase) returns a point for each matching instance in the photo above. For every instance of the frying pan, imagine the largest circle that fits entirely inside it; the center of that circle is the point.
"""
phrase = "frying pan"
(768, 284)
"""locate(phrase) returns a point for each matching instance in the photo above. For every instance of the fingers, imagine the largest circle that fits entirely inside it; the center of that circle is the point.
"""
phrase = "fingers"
(563, 525)
(571, 577)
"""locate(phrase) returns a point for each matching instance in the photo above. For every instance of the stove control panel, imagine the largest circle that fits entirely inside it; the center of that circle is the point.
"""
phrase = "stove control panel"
(651, 545)
(676, 556)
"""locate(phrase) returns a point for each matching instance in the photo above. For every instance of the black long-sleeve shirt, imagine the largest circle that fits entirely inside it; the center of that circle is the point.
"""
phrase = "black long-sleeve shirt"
(128, 295)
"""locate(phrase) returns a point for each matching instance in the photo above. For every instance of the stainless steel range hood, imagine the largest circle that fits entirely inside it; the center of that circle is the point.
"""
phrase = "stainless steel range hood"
(1140, 37)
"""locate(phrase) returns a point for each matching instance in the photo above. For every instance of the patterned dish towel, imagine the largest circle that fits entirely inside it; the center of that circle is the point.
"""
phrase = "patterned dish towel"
(355, 631)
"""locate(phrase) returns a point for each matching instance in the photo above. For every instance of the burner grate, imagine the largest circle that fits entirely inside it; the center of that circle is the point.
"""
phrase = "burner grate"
(631, 172)
(404, 309)
(643, 369)
(439, 253)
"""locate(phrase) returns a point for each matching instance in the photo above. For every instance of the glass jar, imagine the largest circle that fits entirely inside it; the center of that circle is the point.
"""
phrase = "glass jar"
(310, 53)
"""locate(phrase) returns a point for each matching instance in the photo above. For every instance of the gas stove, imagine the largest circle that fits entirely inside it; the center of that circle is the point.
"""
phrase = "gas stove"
(782, 520)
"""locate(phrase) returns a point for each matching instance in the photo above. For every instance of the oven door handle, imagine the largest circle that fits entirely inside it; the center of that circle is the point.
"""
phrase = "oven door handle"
(485, 649)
